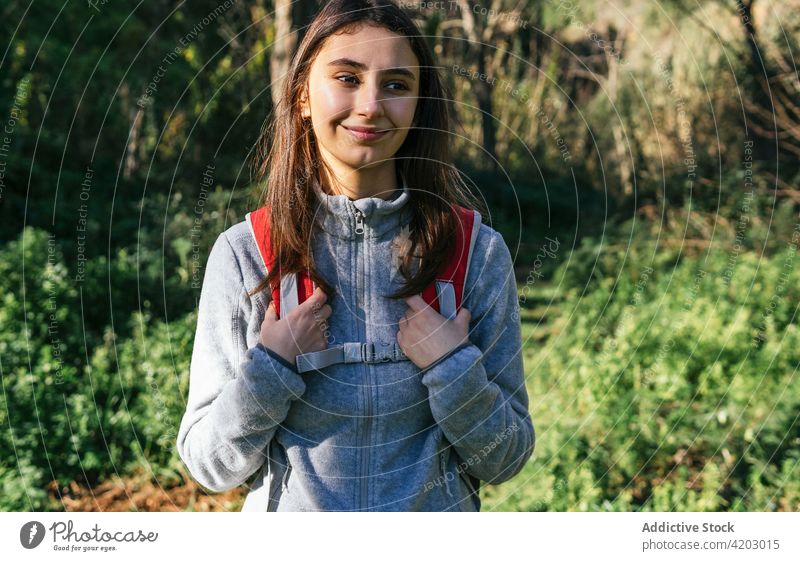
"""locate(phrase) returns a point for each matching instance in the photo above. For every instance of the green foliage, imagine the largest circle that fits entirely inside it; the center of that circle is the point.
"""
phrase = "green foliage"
(666, 386)
(670, 389)
(64, 418)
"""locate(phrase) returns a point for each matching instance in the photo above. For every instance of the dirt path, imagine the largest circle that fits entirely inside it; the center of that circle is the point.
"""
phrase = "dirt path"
(142, 495)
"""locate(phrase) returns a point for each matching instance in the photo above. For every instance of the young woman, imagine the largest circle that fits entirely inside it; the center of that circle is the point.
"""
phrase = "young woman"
(361, 197)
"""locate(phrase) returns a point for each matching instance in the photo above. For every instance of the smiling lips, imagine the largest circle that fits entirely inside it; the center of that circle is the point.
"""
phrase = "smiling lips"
(365, 133)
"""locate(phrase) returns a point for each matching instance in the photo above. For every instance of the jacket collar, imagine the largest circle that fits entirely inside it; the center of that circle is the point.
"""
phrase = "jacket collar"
(337, 214)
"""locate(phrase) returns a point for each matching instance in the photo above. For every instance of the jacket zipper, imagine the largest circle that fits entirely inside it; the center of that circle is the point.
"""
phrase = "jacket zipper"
(443, 459)
(273, 489)
(285, 482)
(365, 449)
(443, 468)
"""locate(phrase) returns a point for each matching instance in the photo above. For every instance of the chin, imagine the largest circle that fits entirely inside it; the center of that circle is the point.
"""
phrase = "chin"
(366, 159)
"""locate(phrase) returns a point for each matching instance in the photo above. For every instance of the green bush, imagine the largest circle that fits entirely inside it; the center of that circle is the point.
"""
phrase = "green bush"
(673, 389)
(665, 385)
(75, 406)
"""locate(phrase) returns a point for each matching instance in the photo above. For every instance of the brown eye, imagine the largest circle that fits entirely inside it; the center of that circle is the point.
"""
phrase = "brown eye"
(339, 78)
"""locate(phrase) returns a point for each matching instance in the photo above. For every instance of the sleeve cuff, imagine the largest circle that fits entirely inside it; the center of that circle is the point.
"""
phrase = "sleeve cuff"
(447, 355)
(278, 357)
(259, 397)
(281, 379)
(459, 364)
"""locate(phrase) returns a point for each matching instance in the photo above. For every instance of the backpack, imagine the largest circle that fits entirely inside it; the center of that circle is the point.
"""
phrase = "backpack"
(445, 295)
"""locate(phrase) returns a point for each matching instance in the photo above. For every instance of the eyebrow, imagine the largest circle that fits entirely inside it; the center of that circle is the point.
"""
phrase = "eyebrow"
(361, 66)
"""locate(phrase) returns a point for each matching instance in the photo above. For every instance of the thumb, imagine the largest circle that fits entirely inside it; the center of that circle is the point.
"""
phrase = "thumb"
(271, 315)
(463, 317)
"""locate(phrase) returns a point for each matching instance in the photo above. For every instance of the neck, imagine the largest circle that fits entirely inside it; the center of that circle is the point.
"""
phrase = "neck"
(380, 182)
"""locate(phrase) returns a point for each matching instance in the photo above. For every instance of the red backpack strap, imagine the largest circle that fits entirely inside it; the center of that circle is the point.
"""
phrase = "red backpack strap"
(293, 289)
(448, 289)
(446, 294)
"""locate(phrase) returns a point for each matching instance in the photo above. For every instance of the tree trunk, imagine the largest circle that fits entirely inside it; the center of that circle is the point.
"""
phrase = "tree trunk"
(476, 51)
(282, 49)
(773, 107)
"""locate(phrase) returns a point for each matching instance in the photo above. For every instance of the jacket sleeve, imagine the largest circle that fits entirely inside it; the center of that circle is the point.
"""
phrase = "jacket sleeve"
(477, 391)
(237, 395)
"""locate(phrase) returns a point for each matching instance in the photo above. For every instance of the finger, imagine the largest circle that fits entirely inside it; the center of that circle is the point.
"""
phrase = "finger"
(271, 314)
(320, 315)
(321, 342)
(316, 299)
(463, 317)
(416, 303)
(320, 295)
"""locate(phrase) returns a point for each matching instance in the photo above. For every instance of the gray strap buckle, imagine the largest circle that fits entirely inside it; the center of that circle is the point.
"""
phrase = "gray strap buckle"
(353, 352)
(383, 352)
(370, 353)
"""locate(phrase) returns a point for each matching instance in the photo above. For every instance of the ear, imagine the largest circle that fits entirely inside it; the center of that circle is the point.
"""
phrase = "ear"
(305, 110)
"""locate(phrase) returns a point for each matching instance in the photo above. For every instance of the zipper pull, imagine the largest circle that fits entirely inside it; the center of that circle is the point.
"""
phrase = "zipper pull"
(359, 222)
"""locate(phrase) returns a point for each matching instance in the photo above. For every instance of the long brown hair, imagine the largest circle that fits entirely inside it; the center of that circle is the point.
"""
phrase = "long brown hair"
(286, 155)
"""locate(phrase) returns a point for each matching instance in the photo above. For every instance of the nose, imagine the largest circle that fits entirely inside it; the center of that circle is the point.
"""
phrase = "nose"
(369, 102)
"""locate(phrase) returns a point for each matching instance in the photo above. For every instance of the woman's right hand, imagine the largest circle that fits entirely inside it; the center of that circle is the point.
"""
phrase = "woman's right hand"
(301, 331)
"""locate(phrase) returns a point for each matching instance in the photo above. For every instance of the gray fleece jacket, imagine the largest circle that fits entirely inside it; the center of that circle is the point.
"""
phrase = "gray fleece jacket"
(355, 436)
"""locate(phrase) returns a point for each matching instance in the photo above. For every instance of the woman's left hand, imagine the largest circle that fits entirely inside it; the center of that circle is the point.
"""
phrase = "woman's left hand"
(424, 335)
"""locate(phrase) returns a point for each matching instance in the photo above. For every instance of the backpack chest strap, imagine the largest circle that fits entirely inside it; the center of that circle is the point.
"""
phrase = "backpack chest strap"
(350, 352)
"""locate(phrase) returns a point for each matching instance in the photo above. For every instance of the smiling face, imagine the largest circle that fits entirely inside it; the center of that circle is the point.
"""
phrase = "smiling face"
(361, 96)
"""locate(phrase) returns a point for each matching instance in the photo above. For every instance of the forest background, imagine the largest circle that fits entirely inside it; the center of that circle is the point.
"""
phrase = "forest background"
(640, 158)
